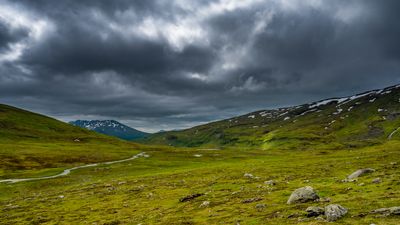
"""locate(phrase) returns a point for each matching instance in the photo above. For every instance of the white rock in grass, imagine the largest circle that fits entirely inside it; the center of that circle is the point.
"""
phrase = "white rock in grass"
(205, 204)
(248, 175)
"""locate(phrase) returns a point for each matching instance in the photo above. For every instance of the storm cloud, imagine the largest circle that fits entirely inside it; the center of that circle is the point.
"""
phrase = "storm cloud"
(157, 64)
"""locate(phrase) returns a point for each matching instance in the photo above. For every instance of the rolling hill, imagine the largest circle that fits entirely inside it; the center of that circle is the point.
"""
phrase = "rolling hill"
(33, 142)
(359, 120)
(111, 128)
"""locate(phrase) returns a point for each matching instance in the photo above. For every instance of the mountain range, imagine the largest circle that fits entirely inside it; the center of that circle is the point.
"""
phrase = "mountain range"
(111, 128)
(362, 119)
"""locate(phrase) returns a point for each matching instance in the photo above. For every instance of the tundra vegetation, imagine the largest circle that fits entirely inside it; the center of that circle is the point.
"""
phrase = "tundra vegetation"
(335, 160)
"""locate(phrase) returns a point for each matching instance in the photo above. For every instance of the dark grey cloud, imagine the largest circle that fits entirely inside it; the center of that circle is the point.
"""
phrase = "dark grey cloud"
(169, 64)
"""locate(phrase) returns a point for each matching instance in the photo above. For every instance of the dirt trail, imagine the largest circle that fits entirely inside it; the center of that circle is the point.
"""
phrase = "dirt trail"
(68, 171)
(394, 132)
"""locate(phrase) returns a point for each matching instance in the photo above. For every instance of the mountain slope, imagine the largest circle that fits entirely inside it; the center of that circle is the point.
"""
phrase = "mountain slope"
(111, 128)
(359, 120)
(37, 143)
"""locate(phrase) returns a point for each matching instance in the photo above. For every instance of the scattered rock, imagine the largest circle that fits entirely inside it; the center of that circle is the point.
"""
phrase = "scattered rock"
(250, 200)
(197, 155)
(314, 211)
(302, 195)
(388, 211)
(333, 212)
(61, 196)
(361, 184)
(320, 218)
(248, 175)
(360, 173)
(377, 180)
(349, 180)
(260, 207)
(190, 197)
(270, 182)
(205, 204)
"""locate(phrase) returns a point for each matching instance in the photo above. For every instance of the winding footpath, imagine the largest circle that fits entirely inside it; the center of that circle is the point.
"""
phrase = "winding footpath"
(68, 171)
(391, 134)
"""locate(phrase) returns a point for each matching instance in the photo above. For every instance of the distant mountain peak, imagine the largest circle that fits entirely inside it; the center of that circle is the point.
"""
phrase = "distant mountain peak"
(111, 128)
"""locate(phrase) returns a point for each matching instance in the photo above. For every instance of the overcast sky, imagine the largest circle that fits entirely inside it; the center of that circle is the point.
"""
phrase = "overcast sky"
(167, 64)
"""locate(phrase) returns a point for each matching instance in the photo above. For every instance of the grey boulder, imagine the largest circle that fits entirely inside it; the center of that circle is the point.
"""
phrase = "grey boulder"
(388, 211)
(333, 212)
(360, 172)
(302, 195)
(314, 211)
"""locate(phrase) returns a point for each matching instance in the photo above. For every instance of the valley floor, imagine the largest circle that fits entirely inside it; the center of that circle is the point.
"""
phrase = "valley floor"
(148, 190)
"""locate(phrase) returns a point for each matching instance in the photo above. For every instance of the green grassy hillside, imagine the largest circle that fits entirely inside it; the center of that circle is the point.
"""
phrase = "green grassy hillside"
(355, 121)
(36, 143)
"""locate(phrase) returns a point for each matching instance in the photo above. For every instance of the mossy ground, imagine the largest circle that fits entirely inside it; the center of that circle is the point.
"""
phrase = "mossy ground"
(147, 190)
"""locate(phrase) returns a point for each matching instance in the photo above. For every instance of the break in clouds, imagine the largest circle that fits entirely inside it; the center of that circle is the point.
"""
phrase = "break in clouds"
(157, 64)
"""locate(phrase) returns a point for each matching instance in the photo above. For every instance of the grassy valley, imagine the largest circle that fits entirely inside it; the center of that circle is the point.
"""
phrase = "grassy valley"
(236, 171)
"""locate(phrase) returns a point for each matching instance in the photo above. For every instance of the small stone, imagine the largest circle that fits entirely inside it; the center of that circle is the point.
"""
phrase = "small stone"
(360, 173)
(190, 197)
(248, 175)
(270, 182)
(61, 196)
(250, 200)
(260, 207)
(361, 184)
(377, 180)
(333, 212)
(302, 195)
(314, 211)
(205, 204)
